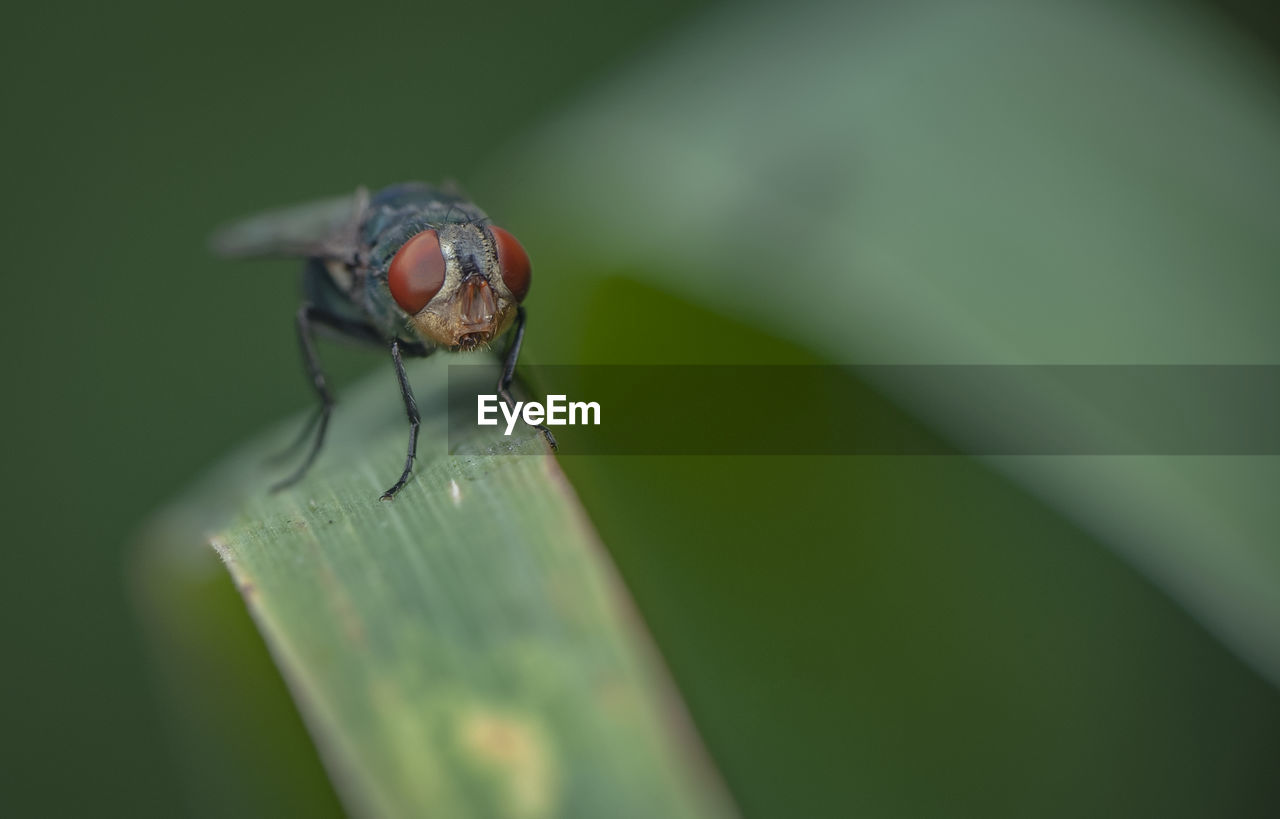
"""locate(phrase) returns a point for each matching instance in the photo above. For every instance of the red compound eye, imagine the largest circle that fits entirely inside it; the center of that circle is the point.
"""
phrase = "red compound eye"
(417, 272)
(513, 261)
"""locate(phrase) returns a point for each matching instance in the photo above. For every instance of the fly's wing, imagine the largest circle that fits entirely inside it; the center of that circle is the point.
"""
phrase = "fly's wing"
(326, 229)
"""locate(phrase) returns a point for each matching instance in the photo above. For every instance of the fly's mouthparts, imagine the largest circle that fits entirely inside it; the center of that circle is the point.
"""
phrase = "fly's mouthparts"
(478, 304)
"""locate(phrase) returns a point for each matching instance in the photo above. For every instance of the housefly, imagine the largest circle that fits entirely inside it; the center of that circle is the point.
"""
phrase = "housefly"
(412, 268)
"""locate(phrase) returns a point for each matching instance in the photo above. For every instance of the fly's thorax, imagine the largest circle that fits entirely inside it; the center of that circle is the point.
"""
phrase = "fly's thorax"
(473, 305)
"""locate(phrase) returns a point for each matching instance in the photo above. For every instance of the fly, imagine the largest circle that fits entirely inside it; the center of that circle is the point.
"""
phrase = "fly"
(412, 269)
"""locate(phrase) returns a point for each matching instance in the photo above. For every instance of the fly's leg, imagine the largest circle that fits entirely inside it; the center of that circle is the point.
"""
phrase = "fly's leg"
(304, 435)
(411, 410)
(509, 373)
(308, 315)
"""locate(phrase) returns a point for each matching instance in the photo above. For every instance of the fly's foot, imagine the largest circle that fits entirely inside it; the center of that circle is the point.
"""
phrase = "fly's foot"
(390, 494)
(546, 433)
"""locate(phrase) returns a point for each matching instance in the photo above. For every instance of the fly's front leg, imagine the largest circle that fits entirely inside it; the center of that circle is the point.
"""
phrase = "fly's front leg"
(509, 373)
(410, 409)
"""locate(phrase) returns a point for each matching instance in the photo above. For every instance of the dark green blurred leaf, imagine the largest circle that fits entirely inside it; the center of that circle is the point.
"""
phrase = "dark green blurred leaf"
(987, 182)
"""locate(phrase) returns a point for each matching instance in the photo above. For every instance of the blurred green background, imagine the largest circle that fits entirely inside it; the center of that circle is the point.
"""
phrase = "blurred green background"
(853, 636)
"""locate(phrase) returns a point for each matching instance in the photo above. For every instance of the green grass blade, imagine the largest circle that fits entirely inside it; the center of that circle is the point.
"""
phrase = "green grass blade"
(467, 649)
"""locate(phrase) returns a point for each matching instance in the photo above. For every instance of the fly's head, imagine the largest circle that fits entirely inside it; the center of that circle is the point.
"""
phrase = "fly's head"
(460, 283)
